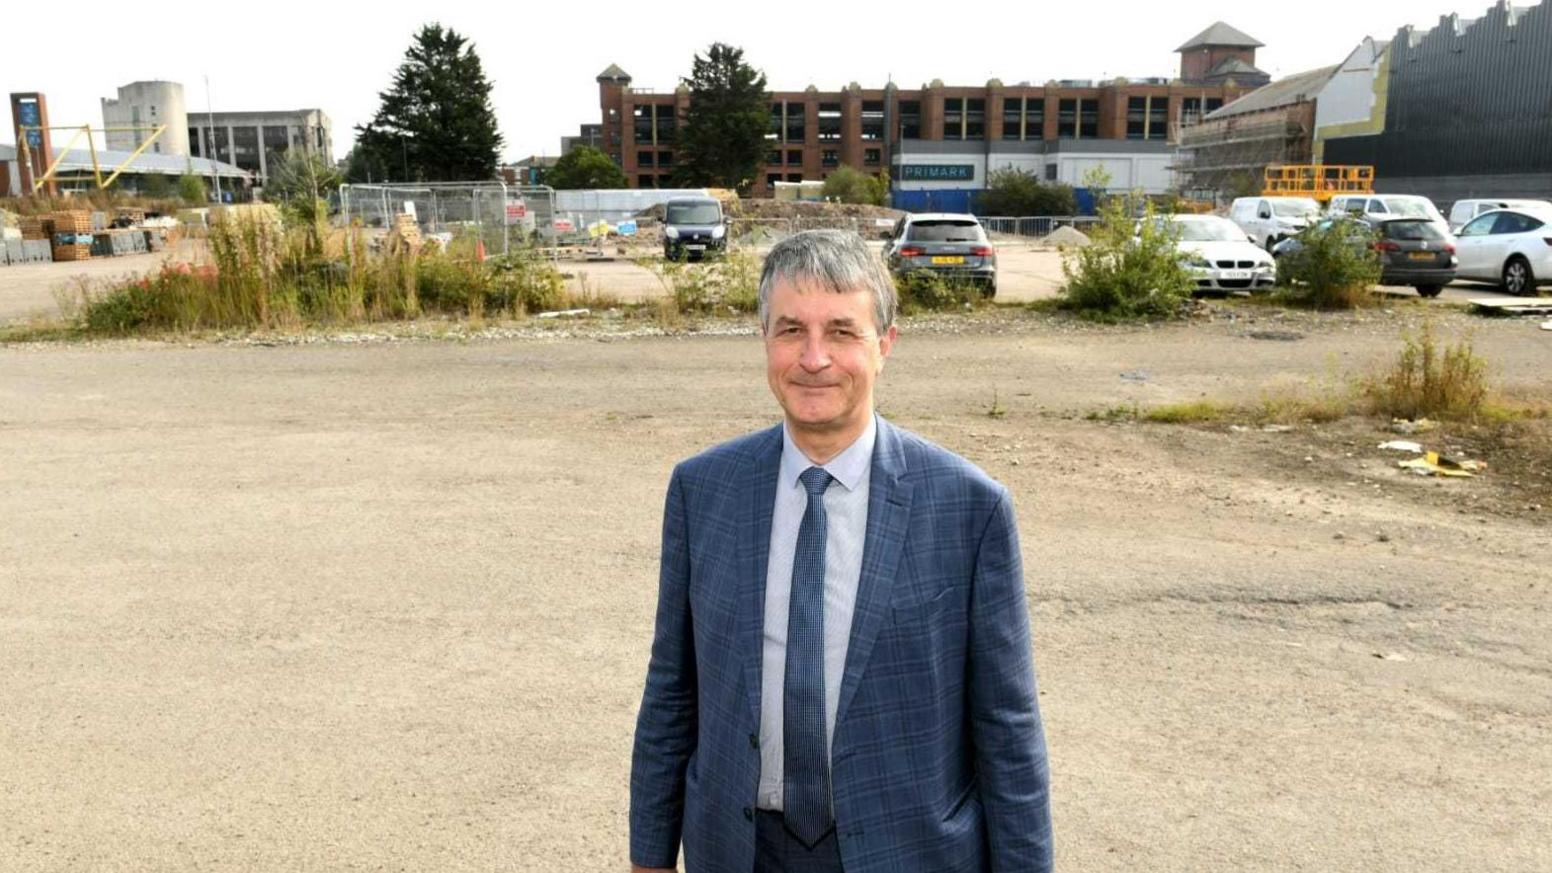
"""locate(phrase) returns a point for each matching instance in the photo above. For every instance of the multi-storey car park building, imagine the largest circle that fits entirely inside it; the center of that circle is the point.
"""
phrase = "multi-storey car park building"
(945, 139)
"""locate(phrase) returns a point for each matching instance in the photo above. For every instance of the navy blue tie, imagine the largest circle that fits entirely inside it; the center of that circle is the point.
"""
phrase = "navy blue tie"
(805, 762)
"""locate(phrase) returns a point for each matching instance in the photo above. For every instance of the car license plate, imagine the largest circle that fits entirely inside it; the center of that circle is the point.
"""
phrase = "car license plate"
(695, 247)
(1421, 256)
(948, 259)
(1234, 274)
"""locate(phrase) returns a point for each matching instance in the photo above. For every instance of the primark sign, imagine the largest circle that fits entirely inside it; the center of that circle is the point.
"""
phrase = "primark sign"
(937, 172)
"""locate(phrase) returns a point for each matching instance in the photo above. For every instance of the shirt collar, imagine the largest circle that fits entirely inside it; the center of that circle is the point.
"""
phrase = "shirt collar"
(849, 468)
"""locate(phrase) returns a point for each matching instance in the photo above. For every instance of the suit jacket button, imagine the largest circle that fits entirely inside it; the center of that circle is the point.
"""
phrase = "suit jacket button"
(748, 814)
(754, 741)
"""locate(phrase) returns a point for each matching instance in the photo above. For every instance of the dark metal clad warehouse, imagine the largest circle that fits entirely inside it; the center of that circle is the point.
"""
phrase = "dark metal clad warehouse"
(1469, 109)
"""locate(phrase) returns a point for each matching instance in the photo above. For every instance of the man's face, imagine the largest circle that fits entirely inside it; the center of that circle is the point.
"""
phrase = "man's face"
(822, 355)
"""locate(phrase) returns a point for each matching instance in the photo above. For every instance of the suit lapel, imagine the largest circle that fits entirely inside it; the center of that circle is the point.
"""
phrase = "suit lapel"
(889, 512)
(754, 535)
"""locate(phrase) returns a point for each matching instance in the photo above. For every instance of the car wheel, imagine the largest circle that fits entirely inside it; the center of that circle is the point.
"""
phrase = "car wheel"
(1517, 277)
(990, 290)
(1429, 290)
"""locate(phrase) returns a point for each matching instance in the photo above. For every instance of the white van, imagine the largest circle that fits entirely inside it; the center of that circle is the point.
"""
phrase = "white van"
(1465, 210)
(1375, 208)
(1269, 220)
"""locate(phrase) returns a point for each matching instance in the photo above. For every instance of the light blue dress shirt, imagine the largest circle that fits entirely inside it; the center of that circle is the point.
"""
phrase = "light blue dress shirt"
(846, 510)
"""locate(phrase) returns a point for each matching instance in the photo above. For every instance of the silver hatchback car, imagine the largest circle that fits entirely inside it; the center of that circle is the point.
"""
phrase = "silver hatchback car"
(945, 244)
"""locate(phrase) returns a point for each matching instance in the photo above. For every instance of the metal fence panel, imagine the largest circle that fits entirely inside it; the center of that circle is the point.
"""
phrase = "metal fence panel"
(443, 210)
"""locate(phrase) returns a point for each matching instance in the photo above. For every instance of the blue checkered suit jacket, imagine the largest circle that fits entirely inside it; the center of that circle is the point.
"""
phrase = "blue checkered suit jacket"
(938, 758)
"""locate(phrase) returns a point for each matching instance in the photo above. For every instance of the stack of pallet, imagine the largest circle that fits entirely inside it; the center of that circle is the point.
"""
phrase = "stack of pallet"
(405, 234)
(32, 227)
(72, 234)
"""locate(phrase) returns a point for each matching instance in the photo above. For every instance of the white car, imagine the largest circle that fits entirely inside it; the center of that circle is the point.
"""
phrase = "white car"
(1220, 255)
(1375, 208)
(1511, 248)
(1462, 211)
(1268, 220)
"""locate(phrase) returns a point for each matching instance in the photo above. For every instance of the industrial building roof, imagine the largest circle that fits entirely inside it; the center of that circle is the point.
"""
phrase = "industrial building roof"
(614, 73)
(1298, 88)
(1235, 67)
(1222, 36)
(76, 160)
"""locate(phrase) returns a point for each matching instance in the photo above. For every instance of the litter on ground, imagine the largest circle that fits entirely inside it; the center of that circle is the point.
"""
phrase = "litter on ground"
(1403, 446)
(1434, 464)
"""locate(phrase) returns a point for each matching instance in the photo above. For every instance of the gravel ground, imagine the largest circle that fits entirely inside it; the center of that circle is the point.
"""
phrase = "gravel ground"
(383, 601)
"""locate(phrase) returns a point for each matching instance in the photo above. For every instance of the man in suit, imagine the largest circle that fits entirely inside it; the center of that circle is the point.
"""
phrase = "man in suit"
(840, 675)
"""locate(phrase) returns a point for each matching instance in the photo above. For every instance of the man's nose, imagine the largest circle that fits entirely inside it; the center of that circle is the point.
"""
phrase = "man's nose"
(816, 354)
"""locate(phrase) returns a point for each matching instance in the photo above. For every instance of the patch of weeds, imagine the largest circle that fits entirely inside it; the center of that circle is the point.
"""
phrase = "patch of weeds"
(996, 410)
(932, 293)
(1114, 414)
(1191, 412)
(1430, 379)
(1334, 267)
(1130, 271)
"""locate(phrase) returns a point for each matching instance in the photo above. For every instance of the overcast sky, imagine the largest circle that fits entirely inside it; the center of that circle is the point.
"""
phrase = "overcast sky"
(543, 57)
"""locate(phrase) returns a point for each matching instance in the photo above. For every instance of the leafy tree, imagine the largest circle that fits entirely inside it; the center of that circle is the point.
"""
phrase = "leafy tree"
(585, 167)
(1015, 192)
(722, 143)
(851, 185)
(435, 123)
(191, 189)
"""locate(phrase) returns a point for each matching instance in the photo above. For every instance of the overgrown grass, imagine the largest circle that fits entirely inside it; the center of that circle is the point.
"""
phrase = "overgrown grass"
(930, 293)
(266, 273)
(1430, 379)
(727, 285)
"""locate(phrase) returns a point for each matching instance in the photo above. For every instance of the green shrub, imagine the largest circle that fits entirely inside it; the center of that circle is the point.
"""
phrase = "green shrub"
(1014, 192)
(929, 293)
(1430, 380)
(1130, 270)
(191, 189)
(1335, 267)
(726, 285)
(847, 184)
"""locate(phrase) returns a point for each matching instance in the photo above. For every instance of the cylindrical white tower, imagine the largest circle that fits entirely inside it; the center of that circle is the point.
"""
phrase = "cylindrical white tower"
(144, 106)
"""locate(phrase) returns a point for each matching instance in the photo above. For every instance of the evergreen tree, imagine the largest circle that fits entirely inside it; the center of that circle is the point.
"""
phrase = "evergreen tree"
(722, 143)
(435, 123)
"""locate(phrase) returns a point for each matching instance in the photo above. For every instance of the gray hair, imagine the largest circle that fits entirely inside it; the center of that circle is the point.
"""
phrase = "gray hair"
(834, 260)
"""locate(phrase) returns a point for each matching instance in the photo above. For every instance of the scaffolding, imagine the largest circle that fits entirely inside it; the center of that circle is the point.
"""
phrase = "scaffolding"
(1230, 156)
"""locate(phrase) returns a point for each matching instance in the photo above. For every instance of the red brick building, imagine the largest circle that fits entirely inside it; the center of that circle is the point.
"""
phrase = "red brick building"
(981, 127)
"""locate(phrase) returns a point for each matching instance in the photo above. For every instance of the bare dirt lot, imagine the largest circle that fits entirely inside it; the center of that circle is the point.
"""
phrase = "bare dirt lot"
(387, 605)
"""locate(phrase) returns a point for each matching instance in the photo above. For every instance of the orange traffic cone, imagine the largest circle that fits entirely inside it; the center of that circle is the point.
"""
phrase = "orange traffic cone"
(479, 249)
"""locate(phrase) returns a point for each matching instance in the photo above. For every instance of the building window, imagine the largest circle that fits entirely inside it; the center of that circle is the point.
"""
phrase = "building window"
(829, 122)
(771, 179)
(1067, 118)
(953, 118)
(795, 156)
(872, 119)
(1013, 118)
(665, 123)
(1050, 172)
(975, 118)
(665, 159)
(644, 159)
(830, 158)
(642, 116)
(1088, 119)
(1158, 117)
(797, 130)
(794, 177)
(773, 156)
(1136, 118)
(910, 119)
(873, 157)
(196, 140)
(646, 180)
(773, 133)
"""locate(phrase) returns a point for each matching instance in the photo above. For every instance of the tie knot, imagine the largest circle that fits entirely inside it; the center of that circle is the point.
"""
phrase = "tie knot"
(815, 480)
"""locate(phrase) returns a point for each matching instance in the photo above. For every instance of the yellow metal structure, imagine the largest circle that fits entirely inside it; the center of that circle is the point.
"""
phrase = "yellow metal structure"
(91, 144)
(1320, 181)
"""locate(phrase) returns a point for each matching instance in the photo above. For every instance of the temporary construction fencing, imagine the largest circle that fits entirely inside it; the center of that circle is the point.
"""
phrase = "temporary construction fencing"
(495, 214)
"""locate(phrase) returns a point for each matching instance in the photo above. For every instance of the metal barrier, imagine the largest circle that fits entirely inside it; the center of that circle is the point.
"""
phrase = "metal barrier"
(442, 210)
(1035, 226)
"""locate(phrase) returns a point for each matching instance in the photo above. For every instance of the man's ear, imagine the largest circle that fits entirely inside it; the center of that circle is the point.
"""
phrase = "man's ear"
(886, 341)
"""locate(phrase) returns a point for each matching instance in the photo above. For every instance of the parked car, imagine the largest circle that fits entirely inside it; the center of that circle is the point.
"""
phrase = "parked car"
(693, 227)
(1375, 208)
(1463, 211)
(944, 244)
(1270, 219)
(1509, 247)
(1411, 251)
(1220, 255)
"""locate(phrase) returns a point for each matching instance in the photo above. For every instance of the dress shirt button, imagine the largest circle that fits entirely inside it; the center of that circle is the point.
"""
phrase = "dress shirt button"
(748, 814)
